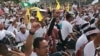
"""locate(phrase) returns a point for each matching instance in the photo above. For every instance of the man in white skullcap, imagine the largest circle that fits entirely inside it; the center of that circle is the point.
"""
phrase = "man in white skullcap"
(22, 35)
(90, 48)
(86, 18)
(82, 40)
(32, 19)
(79, 20)
(12, 25)
(4, 33)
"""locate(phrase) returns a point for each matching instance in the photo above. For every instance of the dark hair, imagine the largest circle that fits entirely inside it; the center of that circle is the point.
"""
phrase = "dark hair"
(36, 43)
(3, 49)
(21, 19)
(68, 16)
(92, 21)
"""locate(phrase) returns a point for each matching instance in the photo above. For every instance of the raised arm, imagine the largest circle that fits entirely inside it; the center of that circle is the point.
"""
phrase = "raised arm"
(30, 39)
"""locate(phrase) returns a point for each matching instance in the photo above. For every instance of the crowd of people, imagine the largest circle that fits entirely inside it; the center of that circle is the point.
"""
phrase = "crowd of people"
(58, 32)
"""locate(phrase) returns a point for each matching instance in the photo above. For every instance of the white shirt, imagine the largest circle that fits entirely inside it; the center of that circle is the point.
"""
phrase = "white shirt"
(11, 28)
(7, 22)
(20, 37)
(91, 15)
(81, 41)
(66, 29)
(4, 32)
(6, 10)
(40, 32)
(89, 49)
(79, 20)
(33, 54)
(18, 25)
(2, 20)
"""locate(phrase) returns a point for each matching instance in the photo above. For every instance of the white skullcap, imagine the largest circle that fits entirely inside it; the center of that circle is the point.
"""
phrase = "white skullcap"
(92, 32)
(32, 18)
(22, 26)
(72, 13)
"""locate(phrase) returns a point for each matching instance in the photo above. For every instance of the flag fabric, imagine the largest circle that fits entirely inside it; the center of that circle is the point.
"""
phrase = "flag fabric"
(68, 7)
(26, 4)
(34, 8)
(58, 4)
(39, 15)
(28, 14)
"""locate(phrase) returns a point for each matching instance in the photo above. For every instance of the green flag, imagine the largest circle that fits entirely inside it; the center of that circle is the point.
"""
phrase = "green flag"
(26, 4)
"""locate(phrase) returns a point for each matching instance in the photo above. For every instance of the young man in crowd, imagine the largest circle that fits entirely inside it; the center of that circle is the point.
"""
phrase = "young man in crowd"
(40, 45)
(90, 48)
(82, 40)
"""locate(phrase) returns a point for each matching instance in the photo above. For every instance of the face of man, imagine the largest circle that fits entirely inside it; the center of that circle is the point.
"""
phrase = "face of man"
(71, 19)
(43, 49)
(98, 36)
(1, 26)
(23, 30)
(98, 22)
(57, 20)
(88, 19)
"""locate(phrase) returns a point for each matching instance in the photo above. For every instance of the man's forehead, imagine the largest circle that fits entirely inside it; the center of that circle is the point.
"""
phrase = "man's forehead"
(44, 42)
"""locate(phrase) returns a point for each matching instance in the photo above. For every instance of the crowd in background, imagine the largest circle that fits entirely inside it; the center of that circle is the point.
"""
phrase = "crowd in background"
(58, 32)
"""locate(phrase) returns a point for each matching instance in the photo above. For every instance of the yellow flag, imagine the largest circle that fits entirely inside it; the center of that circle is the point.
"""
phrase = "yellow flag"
(28, 14)
(34, 8)
(68, 7)
(58, 4)
(39, 15)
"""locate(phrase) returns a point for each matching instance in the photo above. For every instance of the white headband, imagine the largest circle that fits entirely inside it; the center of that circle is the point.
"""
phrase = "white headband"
(92, 31)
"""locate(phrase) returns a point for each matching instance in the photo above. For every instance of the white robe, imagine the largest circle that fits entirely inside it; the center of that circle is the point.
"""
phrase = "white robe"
(66, 29)
(81, 41)
(89, 49)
